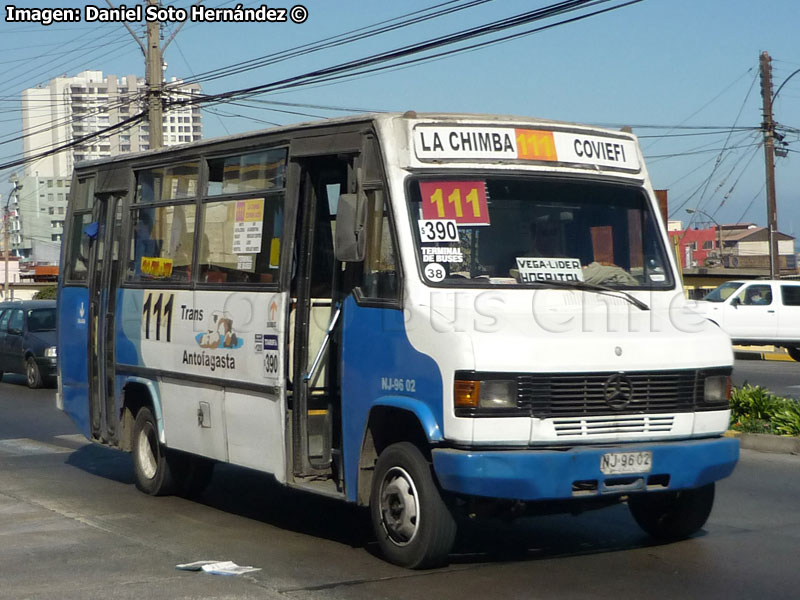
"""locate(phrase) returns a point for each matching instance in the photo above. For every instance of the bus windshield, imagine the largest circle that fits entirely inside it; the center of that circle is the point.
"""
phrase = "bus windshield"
(528, 231)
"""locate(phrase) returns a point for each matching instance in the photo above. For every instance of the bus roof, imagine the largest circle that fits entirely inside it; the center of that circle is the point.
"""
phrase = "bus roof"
(411, 119)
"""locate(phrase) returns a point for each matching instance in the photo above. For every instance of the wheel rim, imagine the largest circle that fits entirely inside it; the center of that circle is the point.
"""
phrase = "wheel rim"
(31, 374)
(147, 451)
(399, 504)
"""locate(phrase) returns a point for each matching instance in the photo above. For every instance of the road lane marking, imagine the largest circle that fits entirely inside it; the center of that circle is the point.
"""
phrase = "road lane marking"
(75, 438)
(28, 447)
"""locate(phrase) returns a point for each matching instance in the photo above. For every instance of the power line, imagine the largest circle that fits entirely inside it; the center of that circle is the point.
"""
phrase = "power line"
(75, 142)
(373, 63)
(714, 99)
(347, 37)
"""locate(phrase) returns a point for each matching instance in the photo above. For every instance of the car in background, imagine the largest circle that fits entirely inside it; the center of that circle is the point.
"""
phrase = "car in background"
(758, 312)
(28, 340)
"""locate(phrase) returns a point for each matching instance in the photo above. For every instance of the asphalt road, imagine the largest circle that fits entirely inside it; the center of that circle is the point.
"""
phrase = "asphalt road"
(780, 377)
(72, 525)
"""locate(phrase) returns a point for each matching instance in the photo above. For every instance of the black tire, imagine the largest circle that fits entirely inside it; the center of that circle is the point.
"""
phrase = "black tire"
(150, 464)
(670, 516)
(413, 525)
(1, 376)
(191, 474)
(794, 352)
(32, 374)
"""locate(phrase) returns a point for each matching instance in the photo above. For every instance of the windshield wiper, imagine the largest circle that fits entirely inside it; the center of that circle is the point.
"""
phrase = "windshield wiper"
(600, 289)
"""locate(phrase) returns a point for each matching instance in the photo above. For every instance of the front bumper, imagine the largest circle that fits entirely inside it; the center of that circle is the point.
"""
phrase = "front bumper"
(47, 365)
(556, 475)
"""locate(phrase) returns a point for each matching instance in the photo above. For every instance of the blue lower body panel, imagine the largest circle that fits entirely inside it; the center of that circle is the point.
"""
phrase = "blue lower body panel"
(550, 474)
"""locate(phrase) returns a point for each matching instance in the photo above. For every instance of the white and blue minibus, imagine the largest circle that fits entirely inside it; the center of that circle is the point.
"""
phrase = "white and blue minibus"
(425, 314)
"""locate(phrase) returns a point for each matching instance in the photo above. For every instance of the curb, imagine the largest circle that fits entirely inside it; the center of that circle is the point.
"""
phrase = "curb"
(765, 442)
(758, 355)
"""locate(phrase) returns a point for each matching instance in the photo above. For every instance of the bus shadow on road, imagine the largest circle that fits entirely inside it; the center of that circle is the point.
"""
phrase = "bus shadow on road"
(258, 496)
(104, 462)
(607, 530)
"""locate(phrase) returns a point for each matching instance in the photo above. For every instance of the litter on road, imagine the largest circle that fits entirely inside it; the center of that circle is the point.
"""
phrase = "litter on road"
(214, 567)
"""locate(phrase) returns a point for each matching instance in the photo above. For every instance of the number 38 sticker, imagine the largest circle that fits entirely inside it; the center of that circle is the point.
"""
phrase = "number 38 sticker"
(435, 272)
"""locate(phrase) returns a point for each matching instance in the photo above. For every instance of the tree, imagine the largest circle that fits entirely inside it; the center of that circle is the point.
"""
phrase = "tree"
(46, 293)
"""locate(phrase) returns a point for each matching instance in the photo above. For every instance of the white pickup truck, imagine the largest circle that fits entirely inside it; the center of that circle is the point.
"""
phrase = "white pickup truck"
(757, 312)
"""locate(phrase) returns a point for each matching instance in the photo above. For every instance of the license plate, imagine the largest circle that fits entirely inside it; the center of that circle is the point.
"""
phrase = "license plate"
(615, 463)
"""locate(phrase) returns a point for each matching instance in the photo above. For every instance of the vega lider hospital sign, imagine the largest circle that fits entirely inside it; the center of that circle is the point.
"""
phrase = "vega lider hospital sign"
(436, 142)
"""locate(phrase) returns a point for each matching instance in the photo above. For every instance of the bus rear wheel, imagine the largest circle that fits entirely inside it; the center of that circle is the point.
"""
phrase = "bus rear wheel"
(150, 464)
(794, 352)
(670, 516)
(413, 525)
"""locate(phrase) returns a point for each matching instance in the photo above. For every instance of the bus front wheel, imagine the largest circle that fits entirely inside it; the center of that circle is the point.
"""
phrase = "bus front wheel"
(672, 516)
(413, 525)
(151, 467)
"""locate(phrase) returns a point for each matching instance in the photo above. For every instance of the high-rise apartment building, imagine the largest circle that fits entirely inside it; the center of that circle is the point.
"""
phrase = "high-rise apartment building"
(65, 110)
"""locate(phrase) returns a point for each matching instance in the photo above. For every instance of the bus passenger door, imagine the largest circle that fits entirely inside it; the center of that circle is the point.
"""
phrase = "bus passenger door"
(316, 291)
(103, 280)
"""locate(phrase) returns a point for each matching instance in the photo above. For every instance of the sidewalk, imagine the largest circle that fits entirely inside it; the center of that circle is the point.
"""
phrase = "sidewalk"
(765, 442)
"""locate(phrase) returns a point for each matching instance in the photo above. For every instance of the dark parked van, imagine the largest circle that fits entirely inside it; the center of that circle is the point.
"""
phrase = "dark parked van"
(28, 340)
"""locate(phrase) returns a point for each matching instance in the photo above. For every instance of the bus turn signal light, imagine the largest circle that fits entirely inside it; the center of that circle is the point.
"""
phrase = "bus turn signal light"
(466, 393)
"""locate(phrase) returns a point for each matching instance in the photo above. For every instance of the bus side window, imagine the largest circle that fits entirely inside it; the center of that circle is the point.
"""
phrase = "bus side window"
(78, 250)
(163, 239)
(241, 240)
(81, 200)
(380, 266)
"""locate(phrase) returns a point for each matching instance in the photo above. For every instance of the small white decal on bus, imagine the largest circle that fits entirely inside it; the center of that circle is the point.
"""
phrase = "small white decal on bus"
(442, 255)
(435, 272)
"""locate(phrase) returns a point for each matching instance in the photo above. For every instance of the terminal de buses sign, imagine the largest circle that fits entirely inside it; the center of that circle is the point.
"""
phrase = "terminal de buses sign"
(443, 142)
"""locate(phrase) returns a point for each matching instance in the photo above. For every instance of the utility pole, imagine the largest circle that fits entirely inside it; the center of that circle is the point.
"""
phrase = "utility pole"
(154, 77)
(768, 127)
(5, 251)
(154, 73)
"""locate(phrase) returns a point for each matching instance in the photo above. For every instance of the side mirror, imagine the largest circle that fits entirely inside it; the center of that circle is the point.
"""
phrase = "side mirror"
(351, 233)
(736, 302)
(14, 331)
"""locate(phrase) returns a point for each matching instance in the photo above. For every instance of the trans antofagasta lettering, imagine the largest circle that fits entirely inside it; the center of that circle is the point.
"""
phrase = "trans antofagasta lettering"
(211, 362)
(468, 141)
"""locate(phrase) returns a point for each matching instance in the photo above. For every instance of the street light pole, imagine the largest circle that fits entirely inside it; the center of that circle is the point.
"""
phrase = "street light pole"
(6, 236)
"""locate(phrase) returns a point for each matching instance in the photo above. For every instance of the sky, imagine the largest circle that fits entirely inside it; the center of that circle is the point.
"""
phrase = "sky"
(682, 73)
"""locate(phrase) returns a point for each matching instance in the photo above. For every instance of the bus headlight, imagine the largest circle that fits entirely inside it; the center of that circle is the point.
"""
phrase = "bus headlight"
(488, 394)
(717, 389)
(50, 352)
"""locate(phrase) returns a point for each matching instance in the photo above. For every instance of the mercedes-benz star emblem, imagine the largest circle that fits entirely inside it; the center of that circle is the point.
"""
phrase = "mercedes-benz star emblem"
(618, 391)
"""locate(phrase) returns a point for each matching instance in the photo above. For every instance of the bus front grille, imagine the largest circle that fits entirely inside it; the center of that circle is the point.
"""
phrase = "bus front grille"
(558, 395)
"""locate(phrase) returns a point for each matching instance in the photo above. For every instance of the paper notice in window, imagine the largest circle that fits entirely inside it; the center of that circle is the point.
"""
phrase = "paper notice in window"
(540, 269)
(248, 226)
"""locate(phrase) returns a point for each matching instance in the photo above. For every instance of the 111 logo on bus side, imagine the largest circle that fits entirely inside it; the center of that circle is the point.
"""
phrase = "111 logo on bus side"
(158, 313)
